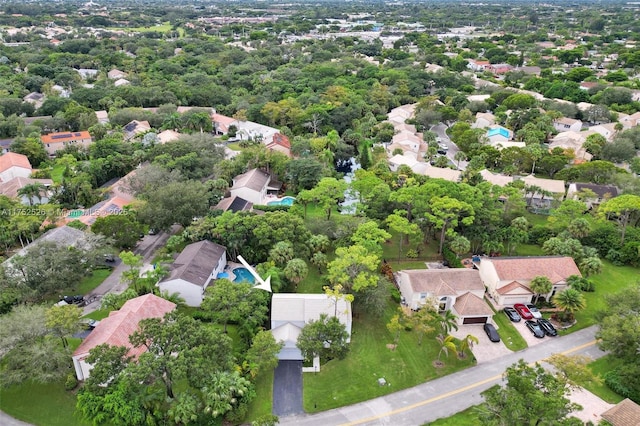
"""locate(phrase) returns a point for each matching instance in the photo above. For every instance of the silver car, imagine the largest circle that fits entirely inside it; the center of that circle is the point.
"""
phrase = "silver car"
(534, 311)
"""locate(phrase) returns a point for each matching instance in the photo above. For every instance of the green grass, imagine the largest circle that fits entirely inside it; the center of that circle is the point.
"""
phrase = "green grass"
(529, 250)
(235, 146)
(511, 337)
(159, 28)
(262, 404)
(599, 367)
(314, 281)
(611, 280)
(98, 314)
(390, 249)
(468, 417)
(355, 379)
(94, 280)
(536, 219)
(56, 173)
(42, 404)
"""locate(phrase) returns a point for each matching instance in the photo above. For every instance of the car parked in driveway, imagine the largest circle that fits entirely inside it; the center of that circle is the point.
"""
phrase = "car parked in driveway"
(534, 311)
(492, 333)
(523, 311)
(535, 329)
(512, 314)
(547, 327)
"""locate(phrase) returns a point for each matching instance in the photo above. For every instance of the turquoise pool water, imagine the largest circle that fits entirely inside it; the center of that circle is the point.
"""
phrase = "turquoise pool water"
(286, 201)
(243, 275)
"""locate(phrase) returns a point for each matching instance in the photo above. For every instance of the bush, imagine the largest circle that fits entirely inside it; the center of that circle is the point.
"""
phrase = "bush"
(412, 254)
(615, 257)
(451, 258)
(589, 286)
(623, 381)
(395, 295)
(204, 316)
(539, 234)
(71, 382)
(266, 208)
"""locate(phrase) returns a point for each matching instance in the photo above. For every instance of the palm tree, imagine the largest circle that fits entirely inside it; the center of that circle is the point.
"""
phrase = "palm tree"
(281, 253)
(296, 270)
(579, 228)
(467, 343)
(570, 301)
(591, 265)
(32, 190)
(446, 344)
(459, 156)
(448, 322)
(540, 285)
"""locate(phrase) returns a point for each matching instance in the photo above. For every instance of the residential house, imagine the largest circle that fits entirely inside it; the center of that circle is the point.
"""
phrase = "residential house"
(478, 98)
(34, 98)
(86, 73)
(253, 186)
(529, 69)
(565, 124)
(192, 271)
(54, 142)
(477, 65)
(135, 128)
(629, 121)
(507, 278)
(601, 193)
(234, 204)
(168, 136)
(290, 312)
(459, 290)
(500, 138)
(221, 123)
(13, 165)
(624, 413)
(484, 120)
(121, 82)
(102, 116)
(543, 191)
(5, 144)
(61, 91)
(407, 142)
(607, 130)
(280, 143)
(496, 179)
(499, 69)
(426, 169)
(12, 187)
(116, 74)
(400, 114)
(115, 329)
(573, 142)
(402, 160)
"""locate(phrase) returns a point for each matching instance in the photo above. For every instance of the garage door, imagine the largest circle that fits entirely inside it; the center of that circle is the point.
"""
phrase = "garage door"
(474, 320)
(512, 300)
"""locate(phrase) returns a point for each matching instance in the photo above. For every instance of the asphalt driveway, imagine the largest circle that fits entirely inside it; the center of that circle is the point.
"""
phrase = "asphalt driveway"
(287, 388)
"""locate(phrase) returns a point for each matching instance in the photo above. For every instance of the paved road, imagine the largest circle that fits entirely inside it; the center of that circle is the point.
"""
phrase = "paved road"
(441, 131)
(447, 395)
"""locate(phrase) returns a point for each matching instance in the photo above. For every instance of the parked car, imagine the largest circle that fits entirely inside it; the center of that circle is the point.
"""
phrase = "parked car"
(109, 258)
(534, 311)
(492, 333)
(512, 314)
(547, 327)
(78, 299)
(523, 311)
(443, 146)
(535, 329)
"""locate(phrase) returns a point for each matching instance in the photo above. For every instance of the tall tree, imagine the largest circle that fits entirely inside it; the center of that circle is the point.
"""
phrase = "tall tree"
(263, 353)
(540, 285)
(228, 301)
(354, 268)
(446, 213)
(399, 224)
(625, 209)
(63, 321)
(370, 236)
(296, 270)
(326, 338)
(328, 193)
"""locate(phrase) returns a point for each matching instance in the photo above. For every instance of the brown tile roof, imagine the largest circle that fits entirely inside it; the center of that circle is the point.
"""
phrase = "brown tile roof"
(625, 413)
(444, 282)
(470, 304)
(119, 325)
(255, 179)
(196, 262)
(556, 268)
(514, 285)
(12, 159)
(11, 187)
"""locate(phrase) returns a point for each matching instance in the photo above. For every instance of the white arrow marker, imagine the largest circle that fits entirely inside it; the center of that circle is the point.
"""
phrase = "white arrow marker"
(262, 284)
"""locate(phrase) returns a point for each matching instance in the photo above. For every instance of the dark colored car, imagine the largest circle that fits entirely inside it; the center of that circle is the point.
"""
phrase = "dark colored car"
(547, 327)
(109, 258)
(512, 314)
(78, 299)
(523, 311)
(492, 333)
(535, 329)
(534, 311)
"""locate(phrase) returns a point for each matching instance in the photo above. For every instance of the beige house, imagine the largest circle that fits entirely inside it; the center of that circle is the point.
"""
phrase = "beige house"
(625, 413)
(601, 193)
(251, 186)
(54, 142)
(460, 291)
(507, 278)
(496, 179)
(566, 124)
(484, 120)
(572, 141)
(544, 193)
(13, 165)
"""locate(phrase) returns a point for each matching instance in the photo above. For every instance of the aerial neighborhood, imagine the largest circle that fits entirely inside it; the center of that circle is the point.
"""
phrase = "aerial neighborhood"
(254, 212)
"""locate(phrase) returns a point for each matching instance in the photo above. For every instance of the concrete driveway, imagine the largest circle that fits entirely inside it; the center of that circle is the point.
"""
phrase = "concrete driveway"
(485, 350)
(287, 388)
(527, 335)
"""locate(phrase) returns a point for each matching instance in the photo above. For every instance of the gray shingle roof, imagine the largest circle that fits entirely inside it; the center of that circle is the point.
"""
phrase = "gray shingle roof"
(196, 262)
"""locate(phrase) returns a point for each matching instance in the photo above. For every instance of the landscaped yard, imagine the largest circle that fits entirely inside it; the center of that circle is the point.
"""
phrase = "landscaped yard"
(511, 337)
(355, 379)
(262, 404)
(599, 368)
(93, 281)
(468, 417)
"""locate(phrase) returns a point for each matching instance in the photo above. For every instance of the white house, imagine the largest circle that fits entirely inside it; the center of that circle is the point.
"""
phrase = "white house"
(573, 141)
(193, 270)
(458, 290)
(117, 327)
(507, 278)
(601, 193)
(546, 191)
(607, 130)
(290, 312)
(11, 189)
(252, 186)
(13, 165)
(565, 124)
(484, 120)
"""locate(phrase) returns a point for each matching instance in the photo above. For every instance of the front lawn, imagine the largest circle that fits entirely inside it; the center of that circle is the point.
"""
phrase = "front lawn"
(600, 367)
(468, 417)
(510, 336)
(94, 280)
(263, 402)
(355, 379)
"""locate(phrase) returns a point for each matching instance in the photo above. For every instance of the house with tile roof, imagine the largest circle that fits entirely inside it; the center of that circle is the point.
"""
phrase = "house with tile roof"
(624, 413)
(496, 179)
(484, 120)
(601, 193)
(13, 165)
(507, 278)
(135, 128)
(12, 187)
(572, 141)
(117, 327)
(193, 270)
(168, 136)
(252, 186)
(54, 142)
(116, 74)
(280, 143)
(290, 312)
(460, 291)
(566, 124)
(544, 192)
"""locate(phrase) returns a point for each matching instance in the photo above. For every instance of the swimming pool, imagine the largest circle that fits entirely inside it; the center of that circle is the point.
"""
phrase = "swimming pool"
(243, 275)
(286, 201)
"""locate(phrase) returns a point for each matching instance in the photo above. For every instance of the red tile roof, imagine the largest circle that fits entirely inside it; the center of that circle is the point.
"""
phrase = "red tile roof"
(556, 268)
(11, 159)
(514, 285)
(119, 325)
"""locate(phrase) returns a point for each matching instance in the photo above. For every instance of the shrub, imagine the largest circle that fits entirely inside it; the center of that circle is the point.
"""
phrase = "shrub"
(71, 382)
(539, 234)
(266, 208)
(412, 254)
(622, 380)
(395, 295)
(589, 286)
(204, 316)
(615, 257)
(451, 258)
